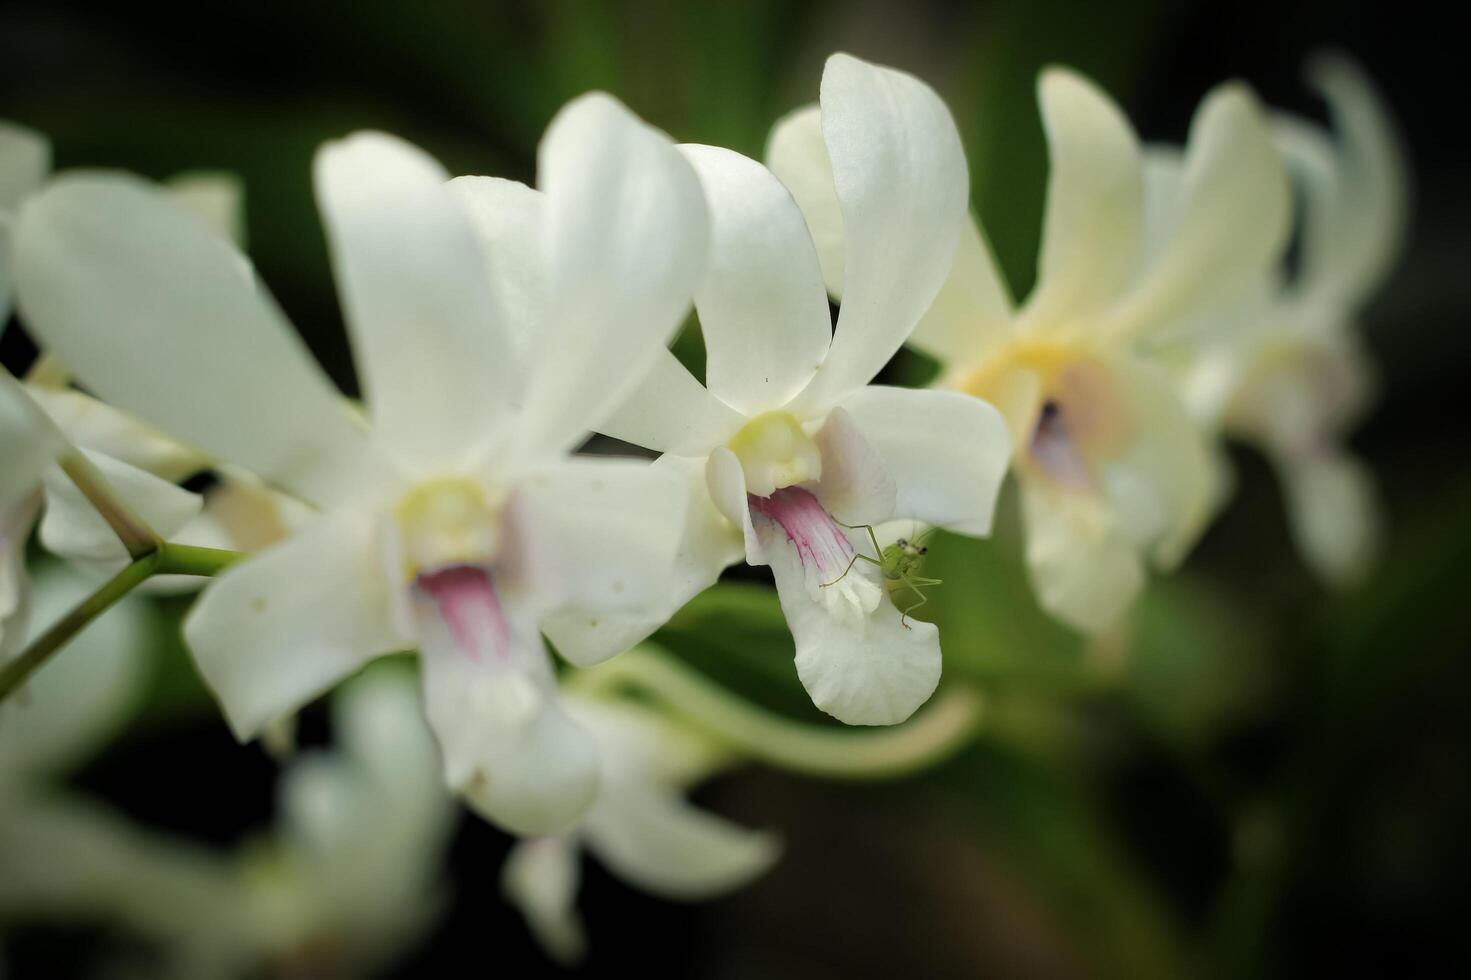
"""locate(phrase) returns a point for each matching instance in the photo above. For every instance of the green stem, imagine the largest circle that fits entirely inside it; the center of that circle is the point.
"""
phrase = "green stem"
(14, 673)
(939, 730)
(162, 559)
(187, 559)
(136, 536)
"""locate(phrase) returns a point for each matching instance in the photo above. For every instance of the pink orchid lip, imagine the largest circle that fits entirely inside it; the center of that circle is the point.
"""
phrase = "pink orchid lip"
(820, 543)
(1056, 453)
(469, 606)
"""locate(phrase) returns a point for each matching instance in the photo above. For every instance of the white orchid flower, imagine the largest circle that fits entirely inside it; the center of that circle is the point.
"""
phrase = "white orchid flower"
(641, 828)
(456, 522)
(1296, 378)
(352, 877)
(786, 449)
(1111, 467)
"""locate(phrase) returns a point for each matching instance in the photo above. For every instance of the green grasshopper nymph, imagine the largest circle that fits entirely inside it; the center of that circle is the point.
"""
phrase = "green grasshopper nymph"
(899, 565)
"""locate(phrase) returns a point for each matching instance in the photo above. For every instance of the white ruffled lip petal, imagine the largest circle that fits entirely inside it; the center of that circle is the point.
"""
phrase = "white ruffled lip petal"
(861, 667)
(901, 179)
(509, 747)
(1084, 569)
(624, 242)
(1092, 236)
(151, 309)
(431, 350)
(278, 629)
(948, 453)
(763, 309)
(1231, 221)
(595, 534)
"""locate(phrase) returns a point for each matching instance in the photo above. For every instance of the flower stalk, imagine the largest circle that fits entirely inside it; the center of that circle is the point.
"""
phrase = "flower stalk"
(937, 731)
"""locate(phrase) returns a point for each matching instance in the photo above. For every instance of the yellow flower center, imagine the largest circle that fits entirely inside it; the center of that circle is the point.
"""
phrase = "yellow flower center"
(775, 453)
(445, 522)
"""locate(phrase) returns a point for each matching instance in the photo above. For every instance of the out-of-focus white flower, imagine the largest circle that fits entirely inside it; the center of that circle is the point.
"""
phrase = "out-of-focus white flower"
(352, 877)
(455, 522)
(25, 159)
(786, 443)
(1295, 377)
(641, 827)
(1110, 465)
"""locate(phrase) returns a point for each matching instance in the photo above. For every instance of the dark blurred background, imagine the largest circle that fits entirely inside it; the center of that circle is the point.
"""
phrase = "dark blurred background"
(1269, 781)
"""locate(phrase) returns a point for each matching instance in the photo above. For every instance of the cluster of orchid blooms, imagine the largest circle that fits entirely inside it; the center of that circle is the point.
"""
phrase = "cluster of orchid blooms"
(496, 326)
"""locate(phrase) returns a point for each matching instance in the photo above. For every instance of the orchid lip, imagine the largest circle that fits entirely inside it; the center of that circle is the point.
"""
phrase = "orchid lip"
(465, 598)
(820, 543)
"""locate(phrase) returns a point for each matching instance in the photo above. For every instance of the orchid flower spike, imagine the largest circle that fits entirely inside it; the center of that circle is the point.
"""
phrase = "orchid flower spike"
(786, 450)
(1296, 378)
(455, 521)
(641, 827)
(1111, 467)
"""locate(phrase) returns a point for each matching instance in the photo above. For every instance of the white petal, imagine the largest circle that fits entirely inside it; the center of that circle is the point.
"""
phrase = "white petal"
(1232, 219)
(508, 218)
(1084, 569)
(861, 669)
(91, 424)
(73, 529)
(671, 412)
(80, 697)
(276, 630)
(1369, 212)
(1335, 515)
(1166, 484)
(708, 545)
(29, 442)
(972, 314)
(763, 309)
(948, 453)
(625, 241)
(509, 747)
(901, 178)
(657, 842)
(25, 159)
(16, 521)
(541, 877)
(431, 352)
(797, 154)
(1093, 232)
(596, 534)
(857, 486)
(215, 196)
(150, 309)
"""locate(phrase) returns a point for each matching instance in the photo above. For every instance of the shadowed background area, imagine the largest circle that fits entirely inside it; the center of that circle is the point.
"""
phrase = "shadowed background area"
(1260, 778)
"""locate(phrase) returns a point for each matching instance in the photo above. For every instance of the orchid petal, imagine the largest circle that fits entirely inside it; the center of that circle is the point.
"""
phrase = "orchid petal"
(72, 527)
(901, 178)
(508, 218)
(1335, 515)
(1084, 569)
(948, 453)
(971, 316)
(624, 241)
(117, 276)
(95, 425)
(1092, 235)
(671, 412)
(541, 877)
(29, 442)
(430, 349)
(276, 630)
(596, 534)
(1231, 223)
(797, 154)
(214, 196)
(708, 545)
(762, 306)
(857, 486)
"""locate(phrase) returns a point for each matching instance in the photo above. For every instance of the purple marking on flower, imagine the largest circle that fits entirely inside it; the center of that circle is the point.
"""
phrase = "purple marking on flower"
(820, 543)
(1055, 452)
(468, 605)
